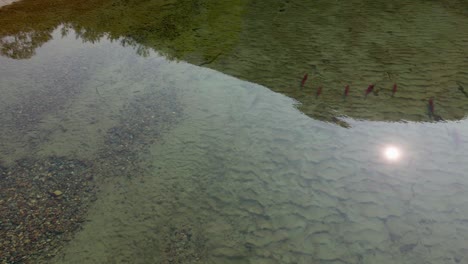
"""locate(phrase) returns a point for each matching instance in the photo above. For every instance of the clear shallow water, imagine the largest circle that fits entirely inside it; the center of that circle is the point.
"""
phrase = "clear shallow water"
(234, 172)
(243, 176)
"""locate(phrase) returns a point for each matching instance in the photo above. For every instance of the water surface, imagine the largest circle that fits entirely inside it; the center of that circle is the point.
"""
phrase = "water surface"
(197, 166)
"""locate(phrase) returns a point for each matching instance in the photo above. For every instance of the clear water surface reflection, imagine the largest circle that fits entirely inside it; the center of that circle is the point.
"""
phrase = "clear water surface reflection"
(240, 175)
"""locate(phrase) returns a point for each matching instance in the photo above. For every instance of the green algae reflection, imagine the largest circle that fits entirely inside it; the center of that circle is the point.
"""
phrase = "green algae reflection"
(188, 28)
(421, 46)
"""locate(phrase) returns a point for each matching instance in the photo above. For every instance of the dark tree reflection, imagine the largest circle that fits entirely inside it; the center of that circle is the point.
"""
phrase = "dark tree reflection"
(24, 44)
(276, 44)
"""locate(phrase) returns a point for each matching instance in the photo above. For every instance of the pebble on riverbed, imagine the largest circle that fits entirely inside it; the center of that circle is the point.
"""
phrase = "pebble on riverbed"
(56, 193)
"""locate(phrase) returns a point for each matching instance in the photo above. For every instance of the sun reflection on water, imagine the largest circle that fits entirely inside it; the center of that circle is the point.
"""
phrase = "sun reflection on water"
(392, 153)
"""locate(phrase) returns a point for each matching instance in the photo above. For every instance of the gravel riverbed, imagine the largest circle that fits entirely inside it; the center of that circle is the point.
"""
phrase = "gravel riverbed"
(42, 202)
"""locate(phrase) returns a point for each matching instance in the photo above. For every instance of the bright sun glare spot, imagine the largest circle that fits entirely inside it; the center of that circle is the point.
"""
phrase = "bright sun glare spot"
(392, 153)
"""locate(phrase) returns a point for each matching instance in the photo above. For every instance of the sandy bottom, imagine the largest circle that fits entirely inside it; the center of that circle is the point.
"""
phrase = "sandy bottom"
(196, 166)
(241, 176)
(246, 178)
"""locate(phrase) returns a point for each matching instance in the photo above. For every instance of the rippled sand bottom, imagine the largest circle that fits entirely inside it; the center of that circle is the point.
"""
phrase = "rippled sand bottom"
(246, 178)
(241, 175)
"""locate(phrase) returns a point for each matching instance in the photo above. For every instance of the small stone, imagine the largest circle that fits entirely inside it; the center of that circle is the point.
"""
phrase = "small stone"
(57, 193)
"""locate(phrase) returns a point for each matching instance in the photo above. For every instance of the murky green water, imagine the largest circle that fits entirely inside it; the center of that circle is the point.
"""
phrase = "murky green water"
(197, 166)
